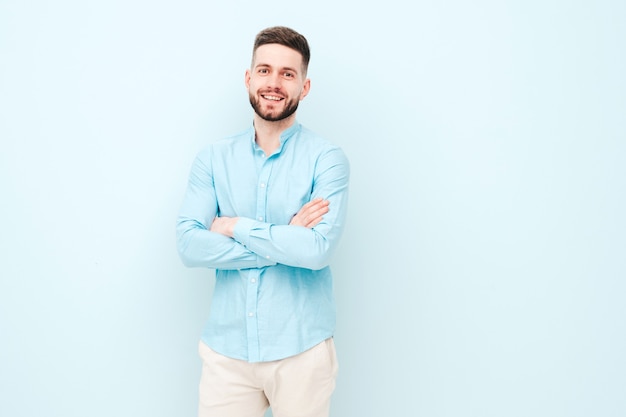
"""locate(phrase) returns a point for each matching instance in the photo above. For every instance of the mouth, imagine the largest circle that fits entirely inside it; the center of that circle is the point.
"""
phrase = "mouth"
(271, 97)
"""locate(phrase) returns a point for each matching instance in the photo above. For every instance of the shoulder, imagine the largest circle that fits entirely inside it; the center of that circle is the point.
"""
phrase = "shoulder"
(227, 144)
(309, 136)
(317, 143)
(327, 154)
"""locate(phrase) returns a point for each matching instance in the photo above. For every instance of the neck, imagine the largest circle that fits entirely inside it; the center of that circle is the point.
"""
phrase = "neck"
(268, 133)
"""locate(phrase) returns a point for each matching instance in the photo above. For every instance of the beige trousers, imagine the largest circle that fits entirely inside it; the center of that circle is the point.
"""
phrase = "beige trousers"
(298, 386)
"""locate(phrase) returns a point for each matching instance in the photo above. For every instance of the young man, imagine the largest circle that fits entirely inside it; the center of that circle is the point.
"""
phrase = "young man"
(266, 208)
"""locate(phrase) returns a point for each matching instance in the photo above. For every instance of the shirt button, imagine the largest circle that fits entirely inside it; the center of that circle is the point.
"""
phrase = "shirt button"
(250, 314)
(253, 280)
(262, 185)
(267, 257)
(260, 219)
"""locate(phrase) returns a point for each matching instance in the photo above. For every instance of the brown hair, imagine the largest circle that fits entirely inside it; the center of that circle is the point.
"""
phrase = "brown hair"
(287, 37)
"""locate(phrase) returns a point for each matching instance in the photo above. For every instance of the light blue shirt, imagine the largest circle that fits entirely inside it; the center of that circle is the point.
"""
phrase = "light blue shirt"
(273, 294)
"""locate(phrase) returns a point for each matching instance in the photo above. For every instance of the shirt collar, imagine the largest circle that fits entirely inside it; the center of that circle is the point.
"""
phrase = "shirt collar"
(287, 134)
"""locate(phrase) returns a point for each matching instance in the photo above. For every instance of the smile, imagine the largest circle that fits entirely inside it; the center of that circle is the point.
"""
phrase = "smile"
(273, 98)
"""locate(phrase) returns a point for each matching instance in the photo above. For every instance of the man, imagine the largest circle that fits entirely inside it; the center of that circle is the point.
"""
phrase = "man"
(266, 208)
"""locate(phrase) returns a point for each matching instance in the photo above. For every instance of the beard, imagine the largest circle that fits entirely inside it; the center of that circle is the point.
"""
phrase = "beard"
(289, 109)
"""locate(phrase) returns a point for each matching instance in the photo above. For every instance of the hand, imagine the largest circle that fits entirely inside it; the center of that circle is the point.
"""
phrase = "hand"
(224, 225)
(310, 214)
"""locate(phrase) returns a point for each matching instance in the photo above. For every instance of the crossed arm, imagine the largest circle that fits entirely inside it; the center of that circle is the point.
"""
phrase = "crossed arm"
(207, 239)
(218, 248)
(308, 216)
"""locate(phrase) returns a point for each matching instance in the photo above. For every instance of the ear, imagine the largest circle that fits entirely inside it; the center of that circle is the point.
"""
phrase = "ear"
(305, 89)
(247, 79)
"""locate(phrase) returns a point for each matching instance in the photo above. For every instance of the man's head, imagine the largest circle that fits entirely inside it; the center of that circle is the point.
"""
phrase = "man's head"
(285, 36)
(276, 80)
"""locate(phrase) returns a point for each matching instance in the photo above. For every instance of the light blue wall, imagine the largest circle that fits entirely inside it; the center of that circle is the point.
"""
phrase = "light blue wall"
(483, 269)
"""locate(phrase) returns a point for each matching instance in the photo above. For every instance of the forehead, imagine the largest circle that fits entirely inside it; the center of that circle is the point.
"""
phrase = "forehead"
(277, 55)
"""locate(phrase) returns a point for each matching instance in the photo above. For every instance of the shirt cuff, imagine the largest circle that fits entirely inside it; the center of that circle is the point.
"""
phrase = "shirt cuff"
(244, 229)
(241, 232)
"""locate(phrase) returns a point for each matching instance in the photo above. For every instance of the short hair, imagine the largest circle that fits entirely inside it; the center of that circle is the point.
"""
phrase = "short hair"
(287, 37)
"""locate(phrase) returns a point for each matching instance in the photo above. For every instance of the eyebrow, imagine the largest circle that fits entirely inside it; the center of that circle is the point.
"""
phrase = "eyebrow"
(282, 68)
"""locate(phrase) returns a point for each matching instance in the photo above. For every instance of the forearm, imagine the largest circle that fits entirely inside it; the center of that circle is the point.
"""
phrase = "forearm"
(199, 247)
(288, 245)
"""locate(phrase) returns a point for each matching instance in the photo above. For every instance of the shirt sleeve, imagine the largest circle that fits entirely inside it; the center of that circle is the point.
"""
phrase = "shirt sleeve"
(197, 245)
(301, 246)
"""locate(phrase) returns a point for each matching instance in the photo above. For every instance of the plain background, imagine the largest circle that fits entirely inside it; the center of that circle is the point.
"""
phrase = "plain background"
(482, 272)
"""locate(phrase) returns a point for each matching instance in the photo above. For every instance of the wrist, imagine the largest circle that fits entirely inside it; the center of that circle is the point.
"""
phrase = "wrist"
(224, 225)
(230, 230)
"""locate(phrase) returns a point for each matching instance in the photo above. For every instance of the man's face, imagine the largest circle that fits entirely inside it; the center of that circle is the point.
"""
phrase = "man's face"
(276, 82)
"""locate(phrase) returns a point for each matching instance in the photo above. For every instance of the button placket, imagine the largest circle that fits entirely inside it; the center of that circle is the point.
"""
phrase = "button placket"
(252, 286)
(252, 290)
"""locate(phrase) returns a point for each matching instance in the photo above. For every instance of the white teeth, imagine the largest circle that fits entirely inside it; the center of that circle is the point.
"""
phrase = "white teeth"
(274, 98)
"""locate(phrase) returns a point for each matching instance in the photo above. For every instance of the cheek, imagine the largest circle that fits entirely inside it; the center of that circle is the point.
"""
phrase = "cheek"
(252, 84)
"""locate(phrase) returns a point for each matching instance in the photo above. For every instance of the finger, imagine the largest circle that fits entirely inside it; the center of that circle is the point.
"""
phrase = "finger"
(312, 205)
(318, 211)
(316, 214)
(313, 223)
(311, 213)
(315, 218)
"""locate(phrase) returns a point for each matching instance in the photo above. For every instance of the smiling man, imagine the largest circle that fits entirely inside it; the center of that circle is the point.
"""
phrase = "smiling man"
(265, 209)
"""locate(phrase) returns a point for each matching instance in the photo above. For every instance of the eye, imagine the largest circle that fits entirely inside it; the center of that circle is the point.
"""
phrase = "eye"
(289, 74)
(263, 71)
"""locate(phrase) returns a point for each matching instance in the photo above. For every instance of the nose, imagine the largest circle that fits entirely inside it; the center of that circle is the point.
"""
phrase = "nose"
(273, 81)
